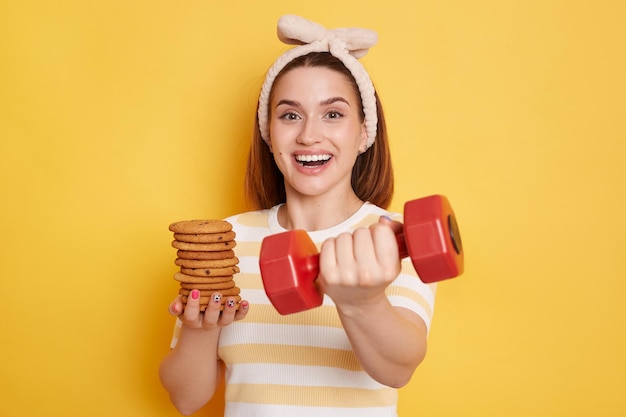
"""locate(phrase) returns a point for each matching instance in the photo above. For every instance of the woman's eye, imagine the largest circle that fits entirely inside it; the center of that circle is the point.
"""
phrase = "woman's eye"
(333, 115)
(290, 116)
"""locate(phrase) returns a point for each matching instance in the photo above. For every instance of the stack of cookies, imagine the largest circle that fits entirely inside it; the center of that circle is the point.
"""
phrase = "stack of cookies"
(206, 259)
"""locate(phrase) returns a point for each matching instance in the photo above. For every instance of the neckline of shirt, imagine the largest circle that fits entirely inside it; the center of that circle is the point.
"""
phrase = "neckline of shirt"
(320, 235)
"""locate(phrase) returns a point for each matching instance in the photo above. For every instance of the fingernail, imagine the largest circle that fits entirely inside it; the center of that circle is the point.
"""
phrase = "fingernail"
(217, 298)
(195, 294)
(231, 303)
(175, 308)
(244, 305)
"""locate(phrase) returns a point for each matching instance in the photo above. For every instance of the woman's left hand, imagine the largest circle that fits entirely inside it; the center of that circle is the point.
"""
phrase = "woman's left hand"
(355, 268)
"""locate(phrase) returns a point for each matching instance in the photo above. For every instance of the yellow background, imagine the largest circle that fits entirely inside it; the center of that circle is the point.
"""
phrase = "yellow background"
(119, 117)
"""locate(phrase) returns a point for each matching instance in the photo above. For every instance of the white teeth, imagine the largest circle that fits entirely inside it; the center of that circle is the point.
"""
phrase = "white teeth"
(312, 158)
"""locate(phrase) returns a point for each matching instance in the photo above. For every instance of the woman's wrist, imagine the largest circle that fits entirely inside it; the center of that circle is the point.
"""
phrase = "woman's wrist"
(363, 307)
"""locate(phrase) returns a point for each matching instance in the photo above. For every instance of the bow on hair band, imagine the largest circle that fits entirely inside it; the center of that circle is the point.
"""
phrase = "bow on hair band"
(346, 44)
(295, 30)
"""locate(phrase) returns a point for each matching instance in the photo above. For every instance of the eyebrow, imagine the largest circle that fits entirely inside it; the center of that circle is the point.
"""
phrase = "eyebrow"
(334, 100)
(326, 102)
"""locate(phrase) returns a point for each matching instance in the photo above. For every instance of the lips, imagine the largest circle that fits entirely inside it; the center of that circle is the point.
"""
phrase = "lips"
(313, 160)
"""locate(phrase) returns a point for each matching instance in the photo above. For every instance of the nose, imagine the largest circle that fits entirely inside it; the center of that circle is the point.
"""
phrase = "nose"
(309, 134)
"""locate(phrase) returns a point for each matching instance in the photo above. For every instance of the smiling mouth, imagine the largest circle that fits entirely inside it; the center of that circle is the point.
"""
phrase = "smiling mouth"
(313, 160)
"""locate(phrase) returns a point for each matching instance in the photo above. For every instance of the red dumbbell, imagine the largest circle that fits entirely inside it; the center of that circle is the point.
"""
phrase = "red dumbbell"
(289, 261)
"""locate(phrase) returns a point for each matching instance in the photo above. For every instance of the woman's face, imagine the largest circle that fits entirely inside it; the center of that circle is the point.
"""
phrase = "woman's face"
(315, 130)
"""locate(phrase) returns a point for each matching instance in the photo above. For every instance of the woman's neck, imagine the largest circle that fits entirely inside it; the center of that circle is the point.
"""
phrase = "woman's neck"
(317, 212)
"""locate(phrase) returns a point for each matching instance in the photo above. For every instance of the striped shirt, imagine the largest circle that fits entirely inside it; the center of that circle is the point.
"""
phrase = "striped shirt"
(302, 364)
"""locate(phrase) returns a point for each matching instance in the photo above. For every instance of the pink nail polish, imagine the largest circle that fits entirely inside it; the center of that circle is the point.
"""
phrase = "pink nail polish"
(175, 308)
(244, 305)
(195, 294)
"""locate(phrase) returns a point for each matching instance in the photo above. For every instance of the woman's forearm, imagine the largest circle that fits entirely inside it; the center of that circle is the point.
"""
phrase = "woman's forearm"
(389, 342)
(191, 371)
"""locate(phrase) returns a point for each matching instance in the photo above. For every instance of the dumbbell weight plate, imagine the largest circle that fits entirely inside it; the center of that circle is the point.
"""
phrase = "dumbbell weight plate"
(433, 239)
(289, 264)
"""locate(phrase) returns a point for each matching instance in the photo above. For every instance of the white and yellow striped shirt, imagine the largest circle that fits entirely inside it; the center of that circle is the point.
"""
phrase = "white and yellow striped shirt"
(302, 364)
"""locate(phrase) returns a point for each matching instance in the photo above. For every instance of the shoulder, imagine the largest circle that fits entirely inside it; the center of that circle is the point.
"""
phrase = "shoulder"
(257, 218)
(252, 224)
(374, 209)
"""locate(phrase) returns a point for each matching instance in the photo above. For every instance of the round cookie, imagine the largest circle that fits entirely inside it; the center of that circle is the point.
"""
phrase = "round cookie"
(229, 283)
(210, 272)
(210, 263)
(205, 237)
(204, 288)
(200, 226)
(204, 247)
(225, 254)
(190, 279)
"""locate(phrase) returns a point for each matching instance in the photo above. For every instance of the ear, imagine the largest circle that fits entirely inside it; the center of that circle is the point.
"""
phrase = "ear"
(363, 143)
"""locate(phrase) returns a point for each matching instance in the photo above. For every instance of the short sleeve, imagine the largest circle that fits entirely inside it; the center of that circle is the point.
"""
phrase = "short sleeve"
(408, 291)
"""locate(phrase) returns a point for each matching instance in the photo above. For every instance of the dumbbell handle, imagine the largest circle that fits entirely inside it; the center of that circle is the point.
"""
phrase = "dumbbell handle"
(403, 251)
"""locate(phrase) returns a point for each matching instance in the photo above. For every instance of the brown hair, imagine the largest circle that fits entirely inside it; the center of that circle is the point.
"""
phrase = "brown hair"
(372, 174)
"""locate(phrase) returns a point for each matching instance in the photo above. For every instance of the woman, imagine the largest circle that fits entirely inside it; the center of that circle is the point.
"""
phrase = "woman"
(319, 161)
